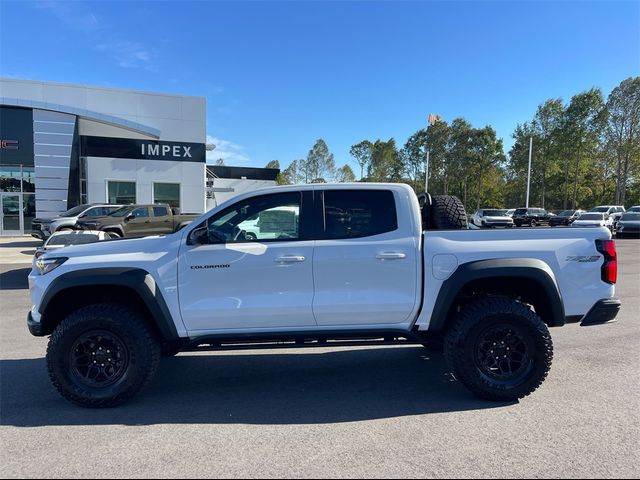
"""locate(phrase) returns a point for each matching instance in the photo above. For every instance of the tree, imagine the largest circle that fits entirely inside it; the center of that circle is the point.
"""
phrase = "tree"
(320, 163)
(362, 153)
(275, 164)
(294, 174)
(585, 119)
(345, 174)
(386, 162)
(623, 133)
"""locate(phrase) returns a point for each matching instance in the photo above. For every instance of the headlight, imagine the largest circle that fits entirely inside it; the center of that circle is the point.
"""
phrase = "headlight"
(46, 265)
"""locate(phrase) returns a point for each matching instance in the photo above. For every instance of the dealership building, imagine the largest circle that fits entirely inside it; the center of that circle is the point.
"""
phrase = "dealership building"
(64, 145)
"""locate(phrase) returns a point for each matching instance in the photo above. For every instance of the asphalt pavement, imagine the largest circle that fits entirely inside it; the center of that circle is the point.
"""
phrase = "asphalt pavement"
(352, 412)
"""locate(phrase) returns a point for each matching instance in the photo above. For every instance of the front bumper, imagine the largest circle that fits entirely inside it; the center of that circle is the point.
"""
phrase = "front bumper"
(35, 328)
(605, 311)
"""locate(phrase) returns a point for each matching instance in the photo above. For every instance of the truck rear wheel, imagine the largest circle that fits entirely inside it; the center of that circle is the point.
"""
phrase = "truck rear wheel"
(102, 355)
(447, 213)
(499, 349)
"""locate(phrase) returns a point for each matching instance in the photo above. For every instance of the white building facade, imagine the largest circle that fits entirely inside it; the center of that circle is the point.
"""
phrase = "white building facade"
(65, 145)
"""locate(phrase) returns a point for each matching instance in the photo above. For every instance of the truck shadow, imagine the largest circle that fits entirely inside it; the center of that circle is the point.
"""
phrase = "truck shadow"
(254, 388)
(17, 279)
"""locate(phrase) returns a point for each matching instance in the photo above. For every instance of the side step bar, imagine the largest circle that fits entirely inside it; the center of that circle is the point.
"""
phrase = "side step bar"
(301, 340)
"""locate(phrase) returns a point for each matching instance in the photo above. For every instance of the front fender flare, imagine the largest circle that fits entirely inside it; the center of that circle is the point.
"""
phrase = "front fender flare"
(138, 280)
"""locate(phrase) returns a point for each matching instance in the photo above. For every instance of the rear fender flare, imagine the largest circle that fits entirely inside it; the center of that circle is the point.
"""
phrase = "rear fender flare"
(524, 268)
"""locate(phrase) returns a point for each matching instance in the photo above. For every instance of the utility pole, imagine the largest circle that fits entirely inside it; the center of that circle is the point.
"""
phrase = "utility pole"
(529, 171)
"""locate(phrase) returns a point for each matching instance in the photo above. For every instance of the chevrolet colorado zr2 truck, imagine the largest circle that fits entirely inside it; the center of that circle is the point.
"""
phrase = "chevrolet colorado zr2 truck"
(330, 265)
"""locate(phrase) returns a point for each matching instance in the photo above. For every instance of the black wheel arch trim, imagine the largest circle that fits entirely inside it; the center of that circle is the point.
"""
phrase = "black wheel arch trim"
(135, 279)
(525, 268)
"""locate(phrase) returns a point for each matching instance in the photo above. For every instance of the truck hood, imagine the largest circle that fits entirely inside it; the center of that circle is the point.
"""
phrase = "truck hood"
(122, 250)
(498, 218)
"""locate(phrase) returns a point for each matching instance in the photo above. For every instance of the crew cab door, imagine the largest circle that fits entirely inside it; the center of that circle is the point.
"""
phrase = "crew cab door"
(137, 223)
(366, 264)
(162, 220)
(235, 281)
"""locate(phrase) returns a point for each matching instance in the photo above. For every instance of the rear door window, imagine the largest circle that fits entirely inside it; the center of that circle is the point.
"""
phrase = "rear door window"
(358, 213)
(160, 212)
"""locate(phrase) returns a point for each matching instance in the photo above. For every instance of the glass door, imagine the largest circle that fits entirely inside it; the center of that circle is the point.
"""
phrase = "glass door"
(10, 210)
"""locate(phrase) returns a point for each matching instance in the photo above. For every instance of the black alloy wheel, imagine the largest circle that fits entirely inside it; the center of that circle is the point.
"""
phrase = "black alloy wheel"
(98, 358)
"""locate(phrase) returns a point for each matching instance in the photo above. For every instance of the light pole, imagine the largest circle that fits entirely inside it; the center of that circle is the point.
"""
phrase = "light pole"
(426, 175)
(529, 171)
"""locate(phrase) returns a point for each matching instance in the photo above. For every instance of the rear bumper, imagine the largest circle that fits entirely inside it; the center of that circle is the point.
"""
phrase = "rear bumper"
(605, 311)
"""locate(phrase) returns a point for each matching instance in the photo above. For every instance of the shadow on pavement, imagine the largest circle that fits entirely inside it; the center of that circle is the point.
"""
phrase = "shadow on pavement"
(22, 244)
(16, 279)
(289, 388)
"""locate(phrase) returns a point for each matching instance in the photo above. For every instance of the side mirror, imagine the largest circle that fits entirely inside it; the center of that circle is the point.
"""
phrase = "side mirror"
(198, 236)
(130, 216)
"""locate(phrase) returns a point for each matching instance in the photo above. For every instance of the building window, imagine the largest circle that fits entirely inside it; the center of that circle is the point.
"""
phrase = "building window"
(83, 180)
(167, 193)
(10, 178)
(121, 193)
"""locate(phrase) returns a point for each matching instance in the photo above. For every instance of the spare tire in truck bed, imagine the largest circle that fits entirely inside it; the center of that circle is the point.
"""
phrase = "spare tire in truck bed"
(442, 212)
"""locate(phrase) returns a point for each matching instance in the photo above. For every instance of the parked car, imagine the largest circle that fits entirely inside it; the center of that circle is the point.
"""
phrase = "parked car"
(567, 217)
(66, 238)
(629, 225)
(594, 219)
(138, 221)
(489, 218)
(270, 224)
(42, 228)
(614, 211)
(634, 209)
(358, 270)
(530, 216)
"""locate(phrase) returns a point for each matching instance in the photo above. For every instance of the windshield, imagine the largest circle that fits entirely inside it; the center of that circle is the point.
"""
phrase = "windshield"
(494, 213)
(121, 212)
(75, 211)
(520, 211)
(599, 209)
(592, 216)
(566, 213)
(631, 216)
(73, 239)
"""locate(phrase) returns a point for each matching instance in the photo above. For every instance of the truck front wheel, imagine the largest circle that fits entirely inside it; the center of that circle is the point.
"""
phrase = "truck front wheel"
(102, 355)
(499, 349)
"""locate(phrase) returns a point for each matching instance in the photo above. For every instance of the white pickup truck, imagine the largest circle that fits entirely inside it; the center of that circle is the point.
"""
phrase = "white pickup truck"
(365, 264)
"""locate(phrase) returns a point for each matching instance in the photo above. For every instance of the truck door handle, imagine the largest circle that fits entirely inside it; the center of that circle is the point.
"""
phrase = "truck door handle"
(290, 259)
(391, 256)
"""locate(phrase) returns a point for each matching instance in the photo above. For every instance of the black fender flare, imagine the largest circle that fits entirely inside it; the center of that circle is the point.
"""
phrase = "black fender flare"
(135, 279)
(525, 268)
(113, 228)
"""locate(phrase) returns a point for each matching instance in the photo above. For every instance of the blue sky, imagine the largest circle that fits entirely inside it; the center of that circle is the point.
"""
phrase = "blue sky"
(279, 75)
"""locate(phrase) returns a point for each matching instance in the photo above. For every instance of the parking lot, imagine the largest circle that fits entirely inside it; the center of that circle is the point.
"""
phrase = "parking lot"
(350, 412)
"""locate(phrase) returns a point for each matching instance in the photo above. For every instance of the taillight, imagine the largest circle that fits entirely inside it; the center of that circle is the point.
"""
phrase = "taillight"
(610, 266)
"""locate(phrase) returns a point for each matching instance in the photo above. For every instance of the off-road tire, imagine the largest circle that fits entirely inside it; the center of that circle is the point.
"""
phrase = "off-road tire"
(137, 340)
(447, 213)
(468, 335)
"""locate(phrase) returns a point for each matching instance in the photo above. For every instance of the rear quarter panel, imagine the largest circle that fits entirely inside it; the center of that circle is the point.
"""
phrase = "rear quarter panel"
(579, 282)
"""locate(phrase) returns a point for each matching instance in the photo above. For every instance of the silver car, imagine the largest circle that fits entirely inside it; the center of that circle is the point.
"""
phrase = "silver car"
(43, 228)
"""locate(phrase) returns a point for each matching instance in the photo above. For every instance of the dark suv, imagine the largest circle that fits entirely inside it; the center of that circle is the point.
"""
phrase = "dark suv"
(531, 216)
(565, 218)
